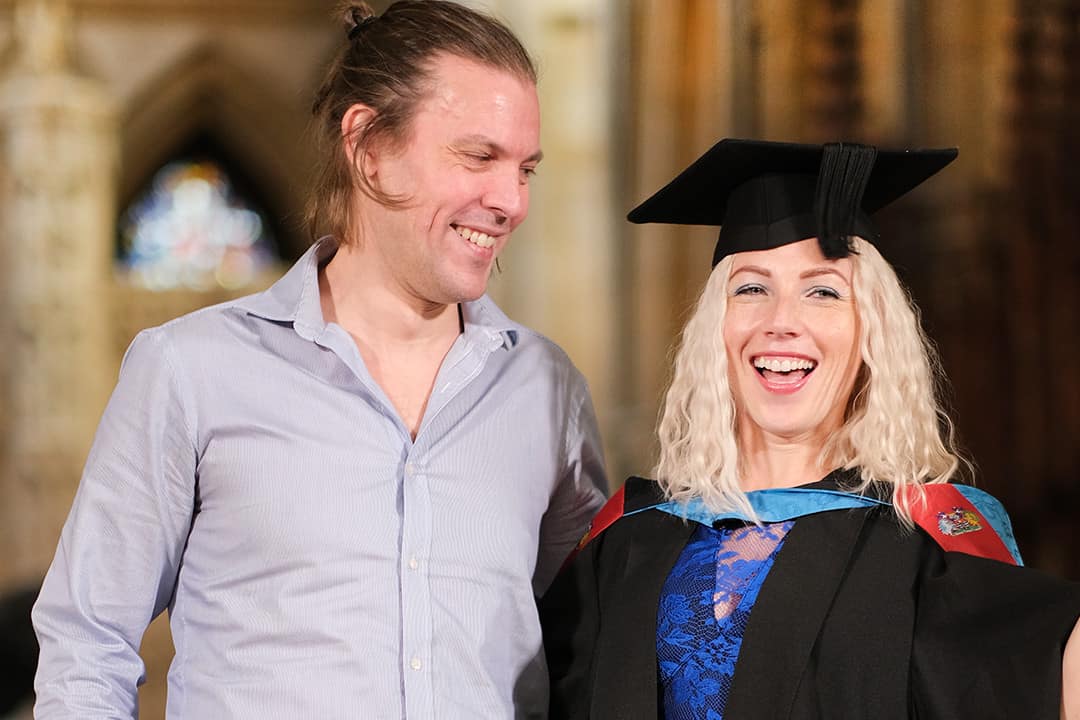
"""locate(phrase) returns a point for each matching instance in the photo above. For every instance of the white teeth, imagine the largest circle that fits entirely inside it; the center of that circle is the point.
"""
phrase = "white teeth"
(476, 238)
(773, 364)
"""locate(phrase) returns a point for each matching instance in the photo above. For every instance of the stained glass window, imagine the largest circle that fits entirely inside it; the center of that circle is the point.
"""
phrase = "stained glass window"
(190, 228)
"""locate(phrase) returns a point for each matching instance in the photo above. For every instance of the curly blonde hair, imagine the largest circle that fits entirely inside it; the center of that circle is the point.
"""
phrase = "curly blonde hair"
(895, 431)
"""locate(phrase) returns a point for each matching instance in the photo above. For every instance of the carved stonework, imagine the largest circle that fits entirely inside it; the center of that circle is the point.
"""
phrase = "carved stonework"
(58, 145)
(42, 29)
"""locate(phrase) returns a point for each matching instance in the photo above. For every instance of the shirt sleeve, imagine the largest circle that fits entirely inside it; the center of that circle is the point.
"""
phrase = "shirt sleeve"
(579, 494)
(120, 549)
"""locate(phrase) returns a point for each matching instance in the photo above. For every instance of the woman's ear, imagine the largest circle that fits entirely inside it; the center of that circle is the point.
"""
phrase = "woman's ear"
(353, 123)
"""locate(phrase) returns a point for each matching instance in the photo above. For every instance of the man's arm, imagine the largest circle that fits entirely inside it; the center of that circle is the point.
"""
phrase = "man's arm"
(120, 549)
(579, 495)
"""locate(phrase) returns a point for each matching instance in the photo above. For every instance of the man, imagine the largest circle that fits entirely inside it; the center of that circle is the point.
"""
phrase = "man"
(348, 489)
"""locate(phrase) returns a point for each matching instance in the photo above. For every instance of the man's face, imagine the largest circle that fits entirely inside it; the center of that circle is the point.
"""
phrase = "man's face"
(465, 166)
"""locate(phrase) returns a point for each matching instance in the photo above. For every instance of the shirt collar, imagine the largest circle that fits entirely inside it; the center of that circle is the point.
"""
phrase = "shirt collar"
(294, 298)
(483, 315)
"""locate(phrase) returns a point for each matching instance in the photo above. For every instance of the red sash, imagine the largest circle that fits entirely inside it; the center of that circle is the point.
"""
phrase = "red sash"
(956, 524)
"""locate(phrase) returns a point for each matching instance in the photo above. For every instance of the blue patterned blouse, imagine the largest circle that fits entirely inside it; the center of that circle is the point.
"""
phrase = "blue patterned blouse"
(704, 607)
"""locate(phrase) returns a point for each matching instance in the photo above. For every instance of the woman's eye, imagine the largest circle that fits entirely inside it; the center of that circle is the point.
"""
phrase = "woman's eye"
(750, 290)
(825, 292)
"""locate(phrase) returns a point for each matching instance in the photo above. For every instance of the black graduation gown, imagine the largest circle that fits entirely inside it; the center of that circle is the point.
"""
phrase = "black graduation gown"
(858, 618)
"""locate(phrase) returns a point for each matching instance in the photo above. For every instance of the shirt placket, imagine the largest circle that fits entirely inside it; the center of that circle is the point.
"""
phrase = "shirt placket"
(416, 593)
(462, 364)
(413, 479)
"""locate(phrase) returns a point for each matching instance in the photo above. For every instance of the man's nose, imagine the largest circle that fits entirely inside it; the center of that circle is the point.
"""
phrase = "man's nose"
(507, 195)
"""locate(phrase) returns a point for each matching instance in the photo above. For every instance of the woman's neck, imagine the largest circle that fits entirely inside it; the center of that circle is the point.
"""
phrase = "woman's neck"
(770, 462)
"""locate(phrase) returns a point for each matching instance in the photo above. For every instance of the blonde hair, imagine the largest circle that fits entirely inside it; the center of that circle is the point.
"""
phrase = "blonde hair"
(894, 431)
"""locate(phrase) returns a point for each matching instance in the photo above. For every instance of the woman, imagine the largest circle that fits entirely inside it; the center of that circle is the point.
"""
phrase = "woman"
(803, 553)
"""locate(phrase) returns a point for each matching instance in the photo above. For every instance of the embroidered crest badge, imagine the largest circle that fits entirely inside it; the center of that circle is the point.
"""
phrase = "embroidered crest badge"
(958, 521)
(953, 515)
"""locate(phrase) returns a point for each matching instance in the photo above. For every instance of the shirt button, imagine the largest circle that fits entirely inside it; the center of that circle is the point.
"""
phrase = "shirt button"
(410, 469)
(415, 664)
(413, 563)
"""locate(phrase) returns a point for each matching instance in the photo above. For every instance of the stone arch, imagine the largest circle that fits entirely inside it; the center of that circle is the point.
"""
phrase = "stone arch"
(261, 132)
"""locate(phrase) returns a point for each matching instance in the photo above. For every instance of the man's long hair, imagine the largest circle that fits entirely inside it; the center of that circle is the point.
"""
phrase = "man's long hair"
(386, 63)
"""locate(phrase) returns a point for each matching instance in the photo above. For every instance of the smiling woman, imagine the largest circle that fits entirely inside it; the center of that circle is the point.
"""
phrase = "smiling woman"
(791, 332)
(777, 293)
(805, 552)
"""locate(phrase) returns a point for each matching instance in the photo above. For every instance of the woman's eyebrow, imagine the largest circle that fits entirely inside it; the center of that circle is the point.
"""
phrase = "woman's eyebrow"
(752, 269)
(820, 271)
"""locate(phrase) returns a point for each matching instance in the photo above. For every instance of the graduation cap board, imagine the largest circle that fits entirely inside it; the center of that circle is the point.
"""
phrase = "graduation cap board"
(767, 194)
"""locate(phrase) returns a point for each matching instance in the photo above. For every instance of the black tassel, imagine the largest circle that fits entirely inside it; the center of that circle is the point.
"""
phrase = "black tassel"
(845, 170)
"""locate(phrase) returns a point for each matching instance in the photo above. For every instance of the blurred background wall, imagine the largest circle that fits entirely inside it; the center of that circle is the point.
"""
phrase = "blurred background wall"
(116, 113)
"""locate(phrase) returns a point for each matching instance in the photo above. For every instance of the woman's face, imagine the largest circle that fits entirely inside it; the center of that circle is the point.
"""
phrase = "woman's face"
(791, 332)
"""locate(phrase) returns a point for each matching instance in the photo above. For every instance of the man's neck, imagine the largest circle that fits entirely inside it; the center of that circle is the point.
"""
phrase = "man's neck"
(402, 339)
(355, 294)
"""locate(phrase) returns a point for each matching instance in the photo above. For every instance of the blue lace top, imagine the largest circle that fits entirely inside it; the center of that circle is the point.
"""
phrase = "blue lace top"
(704, 607)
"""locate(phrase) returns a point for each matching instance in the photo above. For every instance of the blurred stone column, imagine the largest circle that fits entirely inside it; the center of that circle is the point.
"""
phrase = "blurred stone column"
(559, 269)
(58, 147)
(687, 73)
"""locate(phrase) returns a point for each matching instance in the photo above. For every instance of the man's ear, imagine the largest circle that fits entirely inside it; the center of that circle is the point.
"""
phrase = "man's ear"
(356, 118)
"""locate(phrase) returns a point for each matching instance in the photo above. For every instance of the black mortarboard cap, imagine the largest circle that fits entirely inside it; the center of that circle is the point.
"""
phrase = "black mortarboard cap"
(767, 194)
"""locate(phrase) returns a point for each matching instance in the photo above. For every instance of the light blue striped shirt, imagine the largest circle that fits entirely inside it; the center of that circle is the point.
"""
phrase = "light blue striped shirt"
(250, 476)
